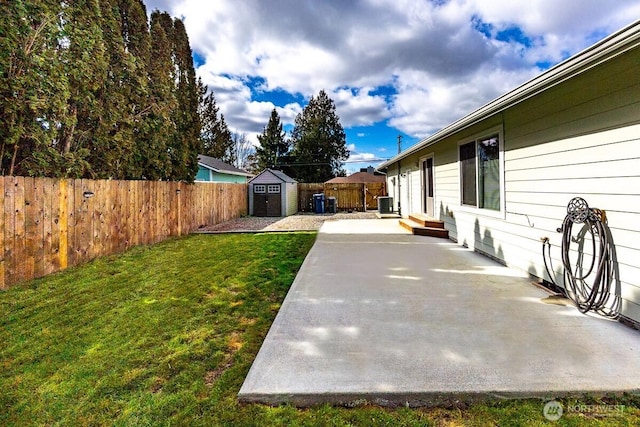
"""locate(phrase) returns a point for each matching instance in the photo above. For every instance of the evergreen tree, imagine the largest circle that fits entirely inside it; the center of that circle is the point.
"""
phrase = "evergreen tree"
(186, 144)
(113, 145)
(319, 141)
(137, 46)
(160, 126)
(215, 136)
(33, 84)
(86, 68)
(85, 91)
(273, 143)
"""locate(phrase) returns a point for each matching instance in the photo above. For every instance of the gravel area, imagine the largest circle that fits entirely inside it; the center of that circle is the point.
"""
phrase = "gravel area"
(298, 222)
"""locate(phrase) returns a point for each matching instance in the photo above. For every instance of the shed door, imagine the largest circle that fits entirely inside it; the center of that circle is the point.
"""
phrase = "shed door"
(267, 200)
(259, 200)
(274, 200)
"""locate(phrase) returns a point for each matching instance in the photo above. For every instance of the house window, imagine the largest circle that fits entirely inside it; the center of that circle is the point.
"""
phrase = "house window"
(273, 189)
(259, 188)
(480, 173)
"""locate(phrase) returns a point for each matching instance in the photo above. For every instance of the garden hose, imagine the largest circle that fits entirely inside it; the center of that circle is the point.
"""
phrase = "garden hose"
(588, 286)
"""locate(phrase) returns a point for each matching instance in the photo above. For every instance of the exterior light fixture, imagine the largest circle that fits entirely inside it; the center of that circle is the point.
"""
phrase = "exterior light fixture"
(88, 194)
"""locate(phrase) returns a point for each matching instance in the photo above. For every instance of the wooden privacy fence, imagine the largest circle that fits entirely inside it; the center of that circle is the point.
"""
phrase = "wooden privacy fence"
(47, 225)
(349, 196)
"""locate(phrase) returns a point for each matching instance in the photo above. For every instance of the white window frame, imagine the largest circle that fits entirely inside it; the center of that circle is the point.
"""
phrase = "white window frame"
(273, 189)
(259, 188)
(501, 214)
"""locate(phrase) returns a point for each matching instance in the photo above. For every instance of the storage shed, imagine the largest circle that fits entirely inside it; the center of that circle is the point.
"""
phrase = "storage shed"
(273, 193)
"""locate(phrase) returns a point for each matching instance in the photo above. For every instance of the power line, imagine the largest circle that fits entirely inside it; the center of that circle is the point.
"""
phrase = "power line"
(327, 163)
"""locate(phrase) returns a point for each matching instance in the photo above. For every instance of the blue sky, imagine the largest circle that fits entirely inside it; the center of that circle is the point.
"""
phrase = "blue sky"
(392, 67)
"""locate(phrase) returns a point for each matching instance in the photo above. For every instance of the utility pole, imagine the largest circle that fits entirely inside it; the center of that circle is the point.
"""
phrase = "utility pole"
(399, 151)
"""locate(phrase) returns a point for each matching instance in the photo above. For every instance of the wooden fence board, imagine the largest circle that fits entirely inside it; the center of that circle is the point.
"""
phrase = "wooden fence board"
(19, 244)
(71, 222)
(9, 229)
(48, 224)
(45, 206)
(121, 221)
(305, 195)
(52, 264)
(33, 201)
(372, 191)
(349, 196)
(84, 220)
(64, 224)
(2, 237)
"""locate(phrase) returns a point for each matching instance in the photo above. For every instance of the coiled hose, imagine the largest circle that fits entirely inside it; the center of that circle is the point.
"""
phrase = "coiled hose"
(588, 295)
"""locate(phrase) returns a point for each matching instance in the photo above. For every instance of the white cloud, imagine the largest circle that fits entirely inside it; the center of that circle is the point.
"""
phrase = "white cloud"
(362, 157)
(440, 65)
(358, 108)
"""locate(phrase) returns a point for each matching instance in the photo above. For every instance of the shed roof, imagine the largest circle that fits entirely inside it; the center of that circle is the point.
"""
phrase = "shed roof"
(218, 165)
(281, 176)
(610, 47)
(358, 177)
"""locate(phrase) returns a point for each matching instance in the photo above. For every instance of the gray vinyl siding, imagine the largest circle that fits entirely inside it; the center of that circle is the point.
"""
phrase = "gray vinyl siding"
(266, 178)
(578, 138)
(581, 138)
(291, 199)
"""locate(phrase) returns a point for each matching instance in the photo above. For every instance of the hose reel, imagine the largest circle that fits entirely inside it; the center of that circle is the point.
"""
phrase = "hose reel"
(588, 285)
(578, 210)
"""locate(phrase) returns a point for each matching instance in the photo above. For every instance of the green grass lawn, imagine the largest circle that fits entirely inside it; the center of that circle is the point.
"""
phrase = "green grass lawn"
(164, 335)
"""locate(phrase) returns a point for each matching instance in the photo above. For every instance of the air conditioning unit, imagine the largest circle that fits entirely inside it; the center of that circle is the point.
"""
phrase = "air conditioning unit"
(385, 204)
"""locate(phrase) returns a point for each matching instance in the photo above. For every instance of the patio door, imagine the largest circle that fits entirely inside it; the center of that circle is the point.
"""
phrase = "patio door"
(426, 172)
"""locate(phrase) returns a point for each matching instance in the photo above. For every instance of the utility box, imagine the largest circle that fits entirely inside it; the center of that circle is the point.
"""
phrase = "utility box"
(332, 205)
(318, 203)
(385, 204)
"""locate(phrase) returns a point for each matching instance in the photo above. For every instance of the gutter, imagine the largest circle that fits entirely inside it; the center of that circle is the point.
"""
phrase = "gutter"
(610, 47)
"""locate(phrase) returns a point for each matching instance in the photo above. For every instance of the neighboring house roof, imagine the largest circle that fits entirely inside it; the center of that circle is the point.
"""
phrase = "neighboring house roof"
(358, 177)
(219, 166)
(606, 49)
(277, 174)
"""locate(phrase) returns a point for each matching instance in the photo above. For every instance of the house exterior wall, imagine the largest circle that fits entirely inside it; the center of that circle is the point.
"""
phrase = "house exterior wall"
(415, 185)
(221, 177)
(207, 175)
(580, 138)
(203, 175)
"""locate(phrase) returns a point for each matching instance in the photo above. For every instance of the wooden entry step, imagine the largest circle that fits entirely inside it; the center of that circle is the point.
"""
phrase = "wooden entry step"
(422, 225)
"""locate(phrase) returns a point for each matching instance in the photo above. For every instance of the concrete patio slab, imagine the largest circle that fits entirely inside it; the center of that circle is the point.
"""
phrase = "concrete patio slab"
(381, 316)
